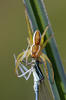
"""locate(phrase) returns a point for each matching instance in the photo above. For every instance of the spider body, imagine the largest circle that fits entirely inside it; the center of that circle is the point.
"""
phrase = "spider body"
(36, 44)
(35, 49)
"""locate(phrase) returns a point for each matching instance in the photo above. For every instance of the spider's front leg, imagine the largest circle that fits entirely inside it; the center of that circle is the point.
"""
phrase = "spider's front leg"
(30, 40)
(44, 33)
(43, 44)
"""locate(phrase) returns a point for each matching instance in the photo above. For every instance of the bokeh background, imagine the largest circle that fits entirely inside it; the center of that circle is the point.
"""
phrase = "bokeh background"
(13, 34)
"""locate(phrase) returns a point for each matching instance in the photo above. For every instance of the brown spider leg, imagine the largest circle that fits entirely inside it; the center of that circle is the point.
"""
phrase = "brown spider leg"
(45, 66)
(45, 57)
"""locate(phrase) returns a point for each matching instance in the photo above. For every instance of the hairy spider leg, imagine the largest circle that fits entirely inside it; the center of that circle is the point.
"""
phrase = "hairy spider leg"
(44, 33)
(45, 43)
(23, 70)
(42, 57)
(30, 40)
(46, 58)
(21, 56)
(27, 55)
(15, 65)
(17, 60)
(29, 43)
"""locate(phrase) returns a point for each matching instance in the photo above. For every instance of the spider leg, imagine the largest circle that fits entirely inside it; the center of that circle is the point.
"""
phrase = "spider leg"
(42, 57)
(21, 56)
(45, 43)
(23, 70)
(27, 55)
(28, 26)
(42, 37)
(45, 57)
(17, 61)
(28, 40)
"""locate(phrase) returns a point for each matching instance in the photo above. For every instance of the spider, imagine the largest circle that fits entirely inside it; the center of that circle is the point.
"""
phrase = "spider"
(35, 46)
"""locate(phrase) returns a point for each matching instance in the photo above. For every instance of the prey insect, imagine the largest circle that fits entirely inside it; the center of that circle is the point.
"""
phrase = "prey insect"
(35, 46)
(26, 73)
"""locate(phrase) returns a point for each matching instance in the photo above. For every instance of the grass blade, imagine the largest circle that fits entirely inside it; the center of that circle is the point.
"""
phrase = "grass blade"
(39, 20)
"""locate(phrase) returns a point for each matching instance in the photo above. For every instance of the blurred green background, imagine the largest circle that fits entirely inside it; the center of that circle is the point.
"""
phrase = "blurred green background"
(13, 34)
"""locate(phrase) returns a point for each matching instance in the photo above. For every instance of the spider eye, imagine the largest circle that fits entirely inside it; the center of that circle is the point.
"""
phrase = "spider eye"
(37, 37)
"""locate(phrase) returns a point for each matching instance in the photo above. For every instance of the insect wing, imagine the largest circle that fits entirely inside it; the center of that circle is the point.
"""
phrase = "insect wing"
(45, 92)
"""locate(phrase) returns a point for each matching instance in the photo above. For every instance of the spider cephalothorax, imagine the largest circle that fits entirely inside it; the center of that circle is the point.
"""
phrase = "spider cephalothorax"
(36, 44)
(37, 37)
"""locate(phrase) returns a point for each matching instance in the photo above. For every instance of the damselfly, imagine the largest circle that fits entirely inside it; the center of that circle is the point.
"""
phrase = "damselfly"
(23, 71)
